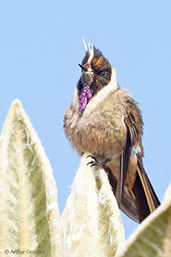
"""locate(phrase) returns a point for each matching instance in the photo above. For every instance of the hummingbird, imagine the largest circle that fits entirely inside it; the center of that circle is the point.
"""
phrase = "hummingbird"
(106, 121)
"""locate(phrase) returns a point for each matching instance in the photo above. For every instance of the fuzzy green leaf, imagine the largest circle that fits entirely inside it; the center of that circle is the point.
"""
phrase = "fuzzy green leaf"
(91, 222)
(29, 217)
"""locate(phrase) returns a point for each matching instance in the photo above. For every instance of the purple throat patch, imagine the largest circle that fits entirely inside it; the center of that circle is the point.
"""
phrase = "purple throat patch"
(85, 95)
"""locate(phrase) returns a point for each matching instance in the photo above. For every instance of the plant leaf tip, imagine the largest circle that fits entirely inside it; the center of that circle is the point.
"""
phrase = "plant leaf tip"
(16, 103)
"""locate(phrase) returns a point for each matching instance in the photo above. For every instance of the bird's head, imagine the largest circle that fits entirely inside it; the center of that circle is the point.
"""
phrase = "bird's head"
(97, 73)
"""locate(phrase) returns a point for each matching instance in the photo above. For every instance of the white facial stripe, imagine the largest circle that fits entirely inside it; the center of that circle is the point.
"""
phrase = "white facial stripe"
(103, 93)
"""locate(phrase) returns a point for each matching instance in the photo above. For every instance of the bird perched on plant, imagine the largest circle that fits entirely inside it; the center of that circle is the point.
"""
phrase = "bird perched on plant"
(104, 120)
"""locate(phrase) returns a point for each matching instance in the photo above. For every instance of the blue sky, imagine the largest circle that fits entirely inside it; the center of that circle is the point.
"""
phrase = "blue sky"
(40, 47)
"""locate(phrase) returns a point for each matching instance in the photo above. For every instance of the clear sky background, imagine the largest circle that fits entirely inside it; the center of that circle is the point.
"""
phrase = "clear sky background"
(40, 47)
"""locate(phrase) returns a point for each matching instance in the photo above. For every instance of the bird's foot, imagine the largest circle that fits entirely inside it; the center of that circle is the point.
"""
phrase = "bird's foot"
(94, 162)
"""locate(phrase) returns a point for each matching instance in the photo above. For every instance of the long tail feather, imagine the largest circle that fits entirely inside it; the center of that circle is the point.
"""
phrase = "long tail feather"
(146, 199)
(128, 204)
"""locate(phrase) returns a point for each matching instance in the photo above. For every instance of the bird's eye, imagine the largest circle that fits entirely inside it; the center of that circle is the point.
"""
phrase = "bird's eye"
(102, 73)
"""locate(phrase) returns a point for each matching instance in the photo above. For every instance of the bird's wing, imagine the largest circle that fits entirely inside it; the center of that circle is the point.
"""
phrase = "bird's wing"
(124, 163)
(145, 197)
(134, 123)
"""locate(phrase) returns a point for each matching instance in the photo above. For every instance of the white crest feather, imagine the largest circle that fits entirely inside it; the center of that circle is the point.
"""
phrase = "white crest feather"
(91, 51)
(85, 44)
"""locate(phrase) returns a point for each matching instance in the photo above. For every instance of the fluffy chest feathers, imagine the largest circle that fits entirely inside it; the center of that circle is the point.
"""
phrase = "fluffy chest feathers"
(100, 129)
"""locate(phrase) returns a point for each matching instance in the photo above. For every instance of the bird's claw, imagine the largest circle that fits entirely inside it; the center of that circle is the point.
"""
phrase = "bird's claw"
(92, 163)
(92, 157)
(96, 163)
